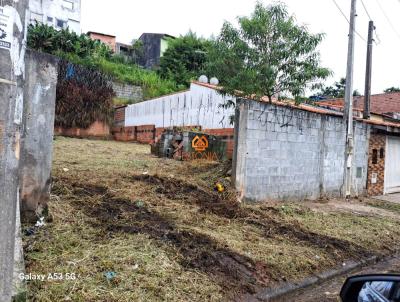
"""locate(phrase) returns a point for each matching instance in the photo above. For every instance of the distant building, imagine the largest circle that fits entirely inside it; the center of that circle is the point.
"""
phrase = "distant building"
(154, 47)
(110, 40)
(60, 14)
(123, 49)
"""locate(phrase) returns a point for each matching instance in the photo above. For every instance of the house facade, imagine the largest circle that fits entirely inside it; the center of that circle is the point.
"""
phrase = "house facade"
(384, 142)
(60, 14)
(109, 40)
(154, 46)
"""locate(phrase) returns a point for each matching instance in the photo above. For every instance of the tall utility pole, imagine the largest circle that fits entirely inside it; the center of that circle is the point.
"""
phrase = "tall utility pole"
(348, 114)
(368, 72)
(13, 15)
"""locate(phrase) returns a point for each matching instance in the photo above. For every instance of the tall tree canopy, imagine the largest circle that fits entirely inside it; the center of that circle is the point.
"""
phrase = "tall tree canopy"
(268, 55)
(337, 90)
(184, 59)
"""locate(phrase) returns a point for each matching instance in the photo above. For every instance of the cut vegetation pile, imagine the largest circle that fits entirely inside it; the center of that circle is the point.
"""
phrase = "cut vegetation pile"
(161, 228)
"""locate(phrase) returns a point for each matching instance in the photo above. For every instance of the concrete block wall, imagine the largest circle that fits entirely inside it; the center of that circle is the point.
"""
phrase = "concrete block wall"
(290, 154)
(128, 92)
(199, 106)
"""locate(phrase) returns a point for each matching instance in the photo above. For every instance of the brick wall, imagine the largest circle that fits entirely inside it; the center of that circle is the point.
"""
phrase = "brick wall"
(226, 135)
(96, 130)
(376, 164)
(119, 117)
(159, 132)
(145, 134)
(124, 134)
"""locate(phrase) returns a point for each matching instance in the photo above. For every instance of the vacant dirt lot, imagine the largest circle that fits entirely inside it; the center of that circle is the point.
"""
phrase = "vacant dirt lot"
(133, 227)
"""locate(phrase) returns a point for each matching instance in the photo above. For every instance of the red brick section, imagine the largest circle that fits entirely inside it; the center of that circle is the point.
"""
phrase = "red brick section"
(376, 143)
(119, 116)
(380, 103)
(159, 132)
(96, 130)
(145, 134)
(124, 134)
(226, 135)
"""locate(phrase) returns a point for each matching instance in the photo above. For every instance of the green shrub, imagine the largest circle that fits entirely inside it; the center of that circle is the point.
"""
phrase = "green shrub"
(80, 49)
(84, 95)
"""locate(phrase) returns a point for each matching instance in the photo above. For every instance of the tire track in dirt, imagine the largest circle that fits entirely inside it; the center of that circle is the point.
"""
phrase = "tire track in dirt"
(237, 274)
(211, 202)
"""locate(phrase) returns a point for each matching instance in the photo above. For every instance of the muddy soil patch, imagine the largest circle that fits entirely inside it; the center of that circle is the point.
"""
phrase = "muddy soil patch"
(267, 219)
(237, 274)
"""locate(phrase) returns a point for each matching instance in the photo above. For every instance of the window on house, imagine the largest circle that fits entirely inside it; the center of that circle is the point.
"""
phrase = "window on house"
(374, 156)
(382, 153)
(68, 5)
(61, 23)
(49, 19)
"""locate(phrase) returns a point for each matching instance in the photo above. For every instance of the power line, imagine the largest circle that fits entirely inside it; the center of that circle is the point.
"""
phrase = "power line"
(348, 21)
(366, 10)
(370, 19)
(388, 20)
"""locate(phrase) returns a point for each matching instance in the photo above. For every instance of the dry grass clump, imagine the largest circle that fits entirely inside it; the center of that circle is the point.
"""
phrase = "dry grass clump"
(161, 227)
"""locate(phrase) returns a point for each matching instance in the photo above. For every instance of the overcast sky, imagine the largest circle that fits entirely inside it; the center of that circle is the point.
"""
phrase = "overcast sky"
(127, 19)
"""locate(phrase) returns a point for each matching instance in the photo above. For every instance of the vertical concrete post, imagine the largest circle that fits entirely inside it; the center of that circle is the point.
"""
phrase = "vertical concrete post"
(37, 135)
(13, 17)
(240, 148)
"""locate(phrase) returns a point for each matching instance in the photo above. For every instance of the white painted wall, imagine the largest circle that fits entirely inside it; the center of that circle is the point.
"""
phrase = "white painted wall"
(198, 106)
(51, 11)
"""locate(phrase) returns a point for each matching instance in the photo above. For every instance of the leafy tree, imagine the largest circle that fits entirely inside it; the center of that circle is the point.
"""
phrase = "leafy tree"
(337, 90)
(81, 50)
(392, 89)
(184, 59)
(268, 55)
(44, 38)
(137, 51)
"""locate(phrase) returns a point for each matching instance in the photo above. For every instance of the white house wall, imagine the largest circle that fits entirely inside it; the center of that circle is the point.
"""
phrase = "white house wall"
(199, 106)
(41, 10)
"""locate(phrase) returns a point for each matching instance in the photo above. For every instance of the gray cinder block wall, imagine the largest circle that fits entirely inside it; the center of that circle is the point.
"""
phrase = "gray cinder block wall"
(128, 92)
(37, 135)
(285, 153)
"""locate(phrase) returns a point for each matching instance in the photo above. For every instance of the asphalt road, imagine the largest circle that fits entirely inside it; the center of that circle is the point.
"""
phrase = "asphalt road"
(329, 291)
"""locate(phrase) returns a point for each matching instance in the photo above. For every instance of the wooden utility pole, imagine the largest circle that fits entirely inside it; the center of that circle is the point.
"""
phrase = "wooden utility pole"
(13, 15)
(348, 114)
(368, 72)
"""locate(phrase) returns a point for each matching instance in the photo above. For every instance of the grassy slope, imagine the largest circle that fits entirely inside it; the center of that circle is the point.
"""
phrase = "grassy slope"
(153, 85)
(169, 236)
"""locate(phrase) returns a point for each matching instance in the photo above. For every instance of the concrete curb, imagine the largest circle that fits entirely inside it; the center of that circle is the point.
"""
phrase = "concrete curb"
(277, 294)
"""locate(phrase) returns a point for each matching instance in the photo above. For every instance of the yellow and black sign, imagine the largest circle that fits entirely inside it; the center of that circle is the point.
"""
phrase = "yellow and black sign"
(200, 144)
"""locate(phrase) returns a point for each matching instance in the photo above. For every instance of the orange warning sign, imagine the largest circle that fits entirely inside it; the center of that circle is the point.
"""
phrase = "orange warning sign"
(200, 144)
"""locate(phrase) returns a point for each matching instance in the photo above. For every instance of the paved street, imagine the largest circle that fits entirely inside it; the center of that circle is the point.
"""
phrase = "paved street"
(329, 291)
(390, 198)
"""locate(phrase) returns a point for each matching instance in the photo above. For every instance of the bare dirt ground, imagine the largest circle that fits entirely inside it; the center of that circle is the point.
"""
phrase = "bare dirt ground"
(132, 227)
